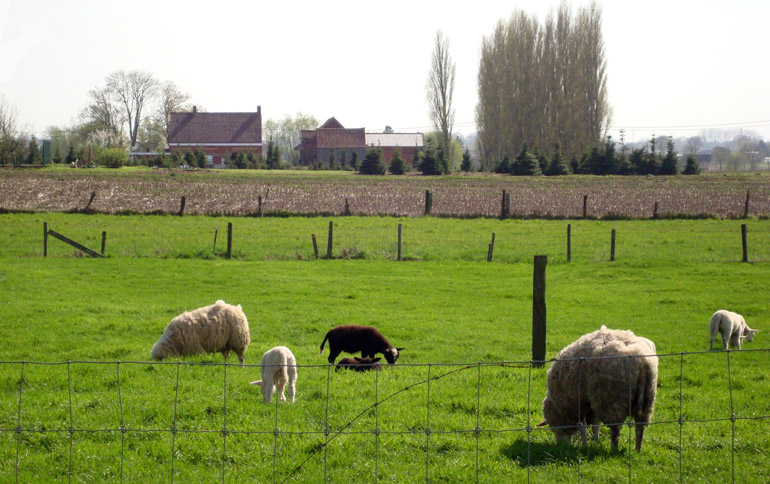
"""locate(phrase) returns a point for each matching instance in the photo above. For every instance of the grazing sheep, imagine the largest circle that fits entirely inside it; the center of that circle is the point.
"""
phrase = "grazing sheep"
(278, 367)
(359, 364)
(220, 327)
(732, 327)
(352, 338)
(604, 376)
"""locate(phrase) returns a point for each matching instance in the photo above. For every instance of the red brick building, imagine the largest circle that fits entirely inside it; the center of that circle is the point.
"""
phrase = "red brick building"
(317, 145)
(216, 134)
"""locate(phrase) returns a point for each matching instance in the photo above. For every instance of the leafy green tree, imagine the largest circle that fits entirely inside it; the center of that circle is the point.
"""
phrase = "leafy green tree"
(344, 159)
(397, 164)
(691, 167)
(189, 159)
(416, 158)
(466, 164)
(373, 163)
(354, 160)
(670, 163)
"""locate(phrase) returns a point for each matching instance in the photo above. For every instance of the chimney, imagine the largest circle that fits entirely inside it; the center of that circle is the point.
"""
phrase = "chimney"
(259, 110)
(195, 109)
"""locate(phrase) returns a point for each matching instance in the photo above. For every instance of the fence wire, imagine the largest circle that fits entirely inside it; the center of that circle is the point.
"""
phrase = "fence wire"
(433, 374)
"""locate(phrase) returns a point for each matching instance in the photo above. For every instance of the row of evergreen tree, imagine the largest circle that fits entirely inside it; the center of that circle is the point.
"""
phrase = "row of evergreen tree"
(600, 160)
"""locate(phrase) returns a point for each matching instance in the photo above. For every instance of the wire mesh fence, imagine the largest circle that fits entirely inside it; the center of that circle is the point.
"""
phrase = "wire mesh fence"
(473, 422)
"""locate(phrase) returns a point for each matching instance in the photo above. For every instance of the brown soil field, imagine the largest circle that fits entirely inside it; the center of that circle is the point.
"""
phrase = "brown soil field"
(325, 193)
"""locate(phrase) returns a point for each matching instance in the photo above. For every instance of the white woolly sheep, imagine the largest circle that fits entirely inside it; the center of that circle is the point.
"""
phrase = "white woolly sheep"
(732, 327)
(604, 376)
(218, 328)
(278, 367)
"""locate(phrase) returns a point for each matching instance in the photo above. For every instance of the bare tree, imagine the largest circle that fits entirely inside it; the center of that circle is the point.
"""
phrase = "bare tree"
(103, 111)
(11, 135)
(440, 89)
(285, 133)
(133, 90)
(170, 100)
(694, 144)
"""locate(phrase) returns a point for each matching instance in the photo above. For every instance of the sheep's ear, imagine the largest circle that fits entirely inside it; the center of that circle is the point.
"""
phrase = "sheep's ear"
(357, 359)
(543, 423)
(400, 349)
(258, 382)
(376, 360)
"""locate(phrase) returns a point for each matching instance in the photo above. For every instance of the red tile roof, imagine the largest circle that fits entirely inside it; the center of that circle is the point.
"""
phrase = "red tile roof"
(207, 128)
(341, 138)
(332, 123)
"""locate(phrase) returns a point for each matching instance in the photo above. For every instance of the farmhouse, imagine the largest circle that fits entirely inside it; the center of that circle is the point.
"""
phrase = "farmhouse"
(332, 141)
(216, 134)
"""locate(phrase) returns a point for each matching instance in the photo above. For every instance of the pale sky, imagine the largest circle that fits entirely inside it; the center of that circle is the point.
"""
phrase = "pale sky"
(673, 66)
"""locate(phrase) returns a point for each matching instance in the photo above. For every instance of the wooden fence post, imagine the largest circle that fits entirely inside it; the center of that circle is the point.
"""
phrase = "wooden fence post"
(569, 242)
(181, 206)
(229, 240)
(399, 242)
(585, 206)
(45, 239)
(746, 209)
(744, 239)
(491, 250)
(214, 250)
(259, 205)
(538, 311)
(104, 240)
(315, 246)
(612, 246)
(347, 207)
(330, 240)
(503, 206)
(655, 211)
(428, 201)
(91, 199)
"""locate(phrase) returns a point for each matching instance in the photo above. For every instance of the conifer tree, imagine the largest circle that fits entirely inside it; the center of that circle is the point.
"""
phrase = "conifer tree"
(373, 163)
(691, 167)
(670, 164)
(397, 165)
(466, 165)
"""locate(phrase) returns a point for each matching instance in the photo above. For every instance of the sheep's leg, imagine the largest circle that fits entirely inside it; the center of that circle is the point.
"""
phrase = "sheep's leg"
(639, 435)
(582, 428)
(595, 427)
(711, 342)
(226, 353)
(292, 389)
(333, 354)
(725, 340)
(614, 435)
(267, 391)
(241, 359)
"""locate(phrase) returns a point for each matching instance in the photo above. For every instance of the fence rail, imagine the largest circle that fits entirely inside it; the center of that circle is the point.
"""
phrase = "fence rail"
(385, 396)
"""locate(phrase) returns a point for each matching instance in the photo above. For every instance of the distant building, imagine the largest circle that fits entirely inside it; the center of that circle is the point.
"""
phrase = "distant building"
(317, 146)
(409, 143)
(216, 134)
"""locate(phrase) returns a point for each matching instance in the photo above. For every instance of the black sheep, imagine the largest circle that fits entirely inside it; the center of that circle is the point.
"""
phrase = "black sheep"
(352, 338)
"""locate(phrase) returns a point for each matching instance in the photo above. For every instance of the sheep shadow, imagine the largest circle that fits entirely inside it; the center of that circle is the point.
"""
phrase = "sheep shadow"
(540, 453)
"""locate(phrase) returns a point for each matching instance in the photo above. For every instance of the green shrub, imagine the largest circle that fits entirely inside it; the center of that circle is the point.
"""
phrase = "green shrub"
(111, 157)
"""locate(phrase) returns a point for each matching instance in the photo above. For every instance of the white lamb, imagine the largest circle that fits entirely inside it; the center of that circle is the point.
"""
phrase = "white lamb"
(218, 328)
(278, 367)
(732, 327)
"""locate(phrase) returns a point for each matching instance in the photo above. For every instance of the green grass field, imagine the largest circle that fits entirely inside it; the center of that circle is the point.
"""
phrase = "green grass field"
(445, 304)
